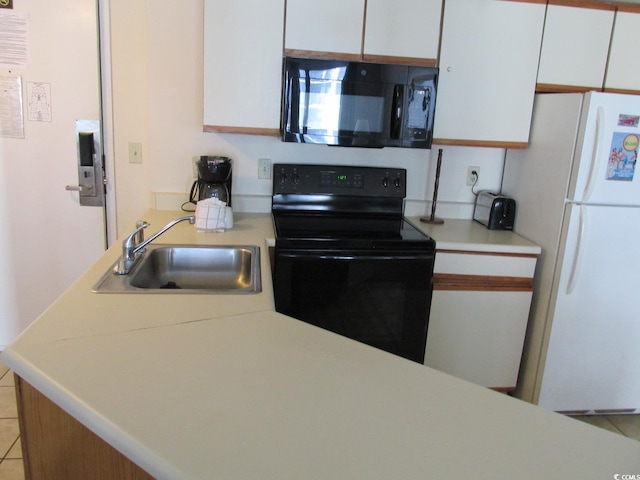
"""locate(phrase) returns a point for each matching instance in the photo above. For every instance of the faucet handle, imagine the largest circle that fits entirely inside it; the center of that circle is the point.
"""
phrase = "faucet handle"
(140, 226)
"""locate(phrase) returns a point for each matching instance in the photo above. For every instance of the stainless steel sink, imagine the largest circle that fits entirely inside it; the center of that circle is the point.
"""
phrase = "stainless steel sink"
(189, 269)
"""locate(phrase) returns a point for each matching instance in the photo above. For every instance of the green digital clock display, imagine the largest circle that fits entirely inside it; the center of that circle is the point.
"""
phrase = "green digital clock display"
(343, 180)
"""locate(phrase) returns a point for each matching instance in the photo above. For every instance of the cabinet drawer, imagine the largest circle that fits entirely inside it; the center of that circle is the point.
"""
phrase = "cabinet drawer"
(461, 263)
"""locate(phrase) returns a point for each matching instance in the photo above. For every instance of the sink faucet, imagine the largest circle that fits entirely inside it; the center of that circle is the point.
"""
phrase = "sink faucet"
(133, 245)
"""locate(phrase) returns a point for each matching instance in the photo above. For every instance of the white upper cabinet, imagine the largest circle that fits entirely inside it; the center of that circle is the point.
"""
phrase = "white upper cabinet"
(243, 65)
(403, 28)
(575, 47)
(408, 29)
(623, 72)
(332, 26)
(488, 65)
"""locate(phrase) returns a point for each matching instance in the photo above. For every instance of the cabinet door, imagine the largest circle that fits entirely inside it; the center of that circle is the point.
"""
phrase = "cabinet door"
(403, 28)
(575, 48)
(479, 314)
(488, 64)
(243, 65)
(478, 336)
(330, 26)
(623, 72)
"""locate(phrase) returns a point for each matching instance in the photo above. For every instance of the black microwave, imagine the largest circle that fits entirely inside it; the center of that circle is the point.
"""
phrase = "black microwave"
(338, 102)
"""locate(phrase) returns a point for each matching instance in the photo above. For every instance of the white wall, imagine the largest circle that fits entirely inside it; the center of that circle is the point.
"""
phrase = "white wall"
(162, 108)
(130, 109)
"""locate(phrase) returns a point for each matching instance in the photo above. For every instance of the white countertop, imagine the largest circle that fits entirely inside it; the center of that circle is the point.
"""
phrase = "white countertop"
(221, 386)
(470, 236)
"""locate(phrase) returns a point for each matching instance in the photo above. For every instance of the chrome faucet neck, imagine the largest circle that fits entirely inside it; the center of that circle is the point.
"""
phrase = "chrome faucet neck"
(134, 243)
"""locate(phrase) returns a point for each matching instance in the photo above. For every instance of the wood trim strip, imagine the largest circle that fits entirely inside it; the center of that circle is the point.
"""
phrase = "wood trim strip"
(503, 389)
(622, 90)
(592, 4)
(352, 57)
(273, 132)
(629, 8)
(483, 283)
(411, 61)
(479, 143)
(555, 88)
(491, 254)
(364, 27)
(386, 59)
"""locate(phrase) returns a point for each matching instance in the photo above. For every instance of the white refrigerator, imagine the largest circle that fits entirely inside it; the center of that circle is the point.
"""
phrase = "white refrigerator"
(578, 196)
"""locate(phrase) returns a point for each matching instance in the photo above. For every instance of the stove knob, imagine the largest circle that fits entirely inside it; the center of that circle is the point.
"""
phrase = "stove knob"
(295, 178)
(385, 182)
(396, 182)
(283, 179)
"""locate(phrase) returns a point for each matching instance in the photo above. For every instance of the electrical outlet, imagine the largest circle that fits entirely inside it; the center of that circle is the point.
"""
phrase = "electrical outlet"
(264, 168)
(473, 175)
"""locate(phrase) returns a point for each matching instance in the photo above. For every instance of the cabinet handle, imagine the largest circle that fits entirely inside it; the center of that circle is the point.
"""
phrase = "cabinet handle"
(577, 255)
(598, 141)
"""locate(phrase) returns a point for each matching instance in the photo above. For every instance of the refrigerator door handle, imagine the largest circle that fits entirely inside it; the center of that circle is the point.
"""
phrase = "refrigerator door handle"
(577, 254)
(595, 154)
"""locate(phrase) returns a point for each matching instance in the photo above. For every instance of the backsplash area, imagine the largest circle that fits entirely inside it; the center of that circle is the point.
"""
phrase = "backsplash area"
(251, 194)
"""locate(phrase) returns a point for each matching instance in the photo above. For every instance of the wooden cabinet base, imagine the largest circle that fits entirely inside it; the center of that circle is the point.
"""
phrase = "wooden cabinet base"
(56, 446)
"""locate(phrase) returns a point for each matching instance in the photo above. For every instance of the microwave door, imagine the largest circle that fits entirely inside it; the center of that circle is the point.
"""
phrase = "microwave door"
(418, 121)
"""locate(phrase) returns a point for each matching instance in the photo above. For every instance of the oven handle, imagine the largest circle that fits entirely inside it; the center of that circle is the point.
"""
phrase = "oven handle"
(355, 256)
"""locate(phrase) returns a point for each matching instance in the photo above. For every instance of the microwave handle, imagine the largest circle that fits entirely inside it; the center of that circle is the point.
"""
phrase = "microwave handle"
(396, 111)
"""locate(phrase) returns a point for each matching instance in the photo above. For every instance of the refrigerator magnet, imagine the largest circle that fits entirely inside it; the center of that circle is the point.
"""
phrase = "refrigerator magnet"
(623, 156)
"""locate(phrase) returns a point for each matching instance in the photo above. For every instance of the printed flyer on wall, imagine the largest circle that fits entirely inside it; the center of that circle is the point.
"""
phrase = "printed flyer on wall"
(623, 156)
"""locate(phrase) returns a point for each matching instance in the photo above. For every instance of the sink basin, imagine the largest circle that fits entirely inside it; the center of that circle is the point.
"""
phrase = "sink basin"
(189, 269)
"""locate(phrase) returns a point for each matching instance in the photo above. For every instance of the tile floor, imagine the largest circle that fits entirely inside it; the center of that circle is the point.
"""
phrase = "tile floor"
(11, 452)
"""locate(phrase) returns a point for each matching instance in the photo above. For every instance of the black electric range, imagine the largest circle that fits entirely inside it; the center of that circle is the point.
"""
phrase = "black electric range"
(346, 260)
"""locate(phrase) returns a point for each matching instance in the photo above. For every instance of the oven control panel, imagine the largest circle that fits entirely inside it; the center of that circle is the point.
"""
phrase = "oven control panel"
(339, 180)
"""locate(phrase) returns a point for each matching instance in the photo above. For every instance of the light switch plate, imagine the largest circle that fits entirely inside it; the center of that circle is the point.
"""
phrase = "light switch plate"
(264, 168)
(135, 152)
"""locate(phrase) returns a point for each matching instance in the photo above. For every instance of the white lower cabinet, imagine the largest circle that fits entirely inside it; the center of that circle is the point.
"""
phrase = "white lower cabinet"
(479, 315)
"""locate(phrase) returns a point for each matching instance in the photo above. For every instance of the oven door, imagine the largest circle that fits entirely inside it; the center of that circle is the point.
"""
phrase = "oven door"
(381, 299)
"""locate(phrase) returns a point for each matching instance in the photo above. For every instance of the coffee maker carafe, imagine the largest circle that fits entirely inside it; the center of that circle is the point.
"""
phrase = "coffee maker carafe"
(214, 179)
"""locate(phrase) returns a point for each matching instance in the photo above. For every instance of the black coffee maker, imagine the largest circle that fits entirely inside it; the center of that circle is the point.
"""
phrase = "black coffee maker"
(214, 179)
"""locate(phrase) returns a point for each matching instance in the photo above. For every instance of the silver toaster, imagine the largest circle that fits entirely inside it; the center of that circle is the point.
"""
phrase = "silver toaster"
(494, 210)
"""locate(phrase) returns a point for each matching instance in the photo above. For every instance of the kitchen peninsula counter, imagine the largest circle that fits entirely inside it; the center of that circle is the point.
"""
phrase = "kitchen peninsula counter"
(222, 386)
